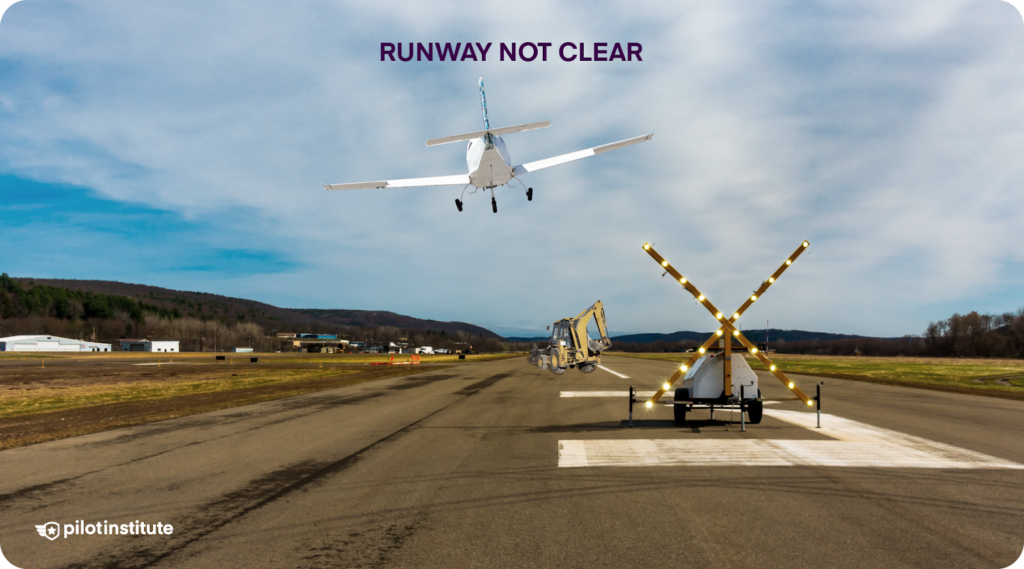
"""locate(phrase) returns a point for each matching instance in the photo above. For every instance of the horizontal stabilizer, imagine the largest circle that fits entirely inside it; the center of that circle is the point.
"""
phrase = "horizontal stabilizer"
(549, 162)
(457, 180)
(480, 133)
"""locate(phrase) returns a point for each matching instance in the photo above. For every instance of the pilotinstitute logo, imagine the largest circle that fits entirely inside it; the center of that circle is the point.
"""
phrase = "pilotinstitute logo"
(52, 530)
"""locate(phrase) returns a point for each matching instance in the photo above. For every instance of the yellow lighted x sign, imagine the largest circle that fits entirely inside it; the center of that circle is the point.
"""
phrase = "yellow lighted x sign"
(726, 323)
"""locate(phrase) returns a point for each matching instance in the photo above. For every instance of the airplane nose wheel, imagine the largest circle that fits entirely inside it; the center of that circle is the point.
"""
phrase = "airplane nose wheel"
(458, 204)
(494, 205)
(529, 195)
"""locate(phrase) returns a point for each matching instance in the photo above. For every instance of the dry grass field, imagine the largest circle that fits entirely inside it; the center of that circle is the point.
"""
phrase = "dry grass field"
(50, 396)
(993, 377)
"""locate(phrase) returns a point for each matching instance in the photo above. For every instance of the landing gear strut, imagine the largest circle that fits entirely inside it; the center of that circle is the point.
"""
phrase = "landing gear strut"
(458, 204)
(529, 195)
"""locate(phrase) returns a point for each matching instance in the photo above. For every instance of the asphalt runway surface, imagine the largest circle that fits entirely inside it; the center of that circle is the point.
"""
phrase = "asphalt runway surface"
(493, 464)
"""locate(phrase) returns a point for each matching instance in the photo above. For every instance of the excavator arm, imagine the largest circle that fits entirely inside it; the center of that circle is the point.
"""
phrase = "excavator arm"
(584, 345)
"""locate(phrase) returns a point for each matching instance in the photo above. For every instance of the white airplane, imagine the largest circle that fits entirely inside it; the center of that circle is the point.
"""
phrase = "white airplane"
(489, 164)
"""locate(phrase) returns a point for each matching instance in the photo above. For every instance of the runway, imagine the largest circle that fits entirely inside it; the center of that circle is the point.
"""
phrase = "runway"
(492, 465)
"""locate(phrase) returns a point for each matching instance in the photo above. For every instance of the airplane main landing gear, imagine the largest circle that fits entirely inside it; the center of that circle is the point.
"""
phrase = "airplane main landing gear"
(529, 195)
(494, 205)
(458, 204)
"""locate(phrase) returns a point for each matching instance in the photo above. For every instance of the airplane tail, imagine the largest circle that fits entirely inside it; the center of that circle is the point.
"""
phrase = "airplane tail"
(483, 105)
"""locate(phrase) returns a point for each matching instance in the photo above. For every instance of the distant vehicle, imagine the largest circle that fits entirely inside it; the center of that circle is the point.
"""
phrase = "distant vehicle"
(424, 350)
(488, 160)
(570, 346)
(442, 351)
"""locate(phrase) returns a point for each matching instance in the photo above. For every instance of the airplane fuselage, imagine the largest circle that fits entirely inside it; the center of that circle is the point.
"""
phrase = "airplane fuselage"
(488, 161)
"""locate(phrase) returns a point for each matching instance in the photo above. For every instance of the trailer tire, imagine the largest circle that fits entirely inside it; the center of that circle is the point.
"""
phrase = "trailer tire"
(755, 410)
(679, 411)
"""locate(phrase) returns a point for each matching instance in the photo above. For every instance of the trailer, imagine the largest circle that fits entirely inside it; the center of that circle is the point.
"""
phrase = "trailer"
(717, 379)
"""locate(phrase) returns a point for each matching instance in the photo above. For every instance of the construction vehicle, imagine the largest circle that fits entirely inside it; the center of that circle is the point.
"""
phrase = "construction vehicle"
(570, 346)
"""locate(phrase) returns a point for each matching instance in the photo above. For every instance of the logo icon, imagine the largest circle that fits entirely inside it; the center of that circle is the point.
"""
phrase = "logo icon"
(49, 530)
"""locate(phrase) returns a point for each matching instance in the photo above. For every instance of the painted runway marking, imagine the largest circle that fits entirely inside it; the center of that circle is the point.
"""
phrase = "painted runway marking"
(613, 372)
(855, 444)
(604, 393)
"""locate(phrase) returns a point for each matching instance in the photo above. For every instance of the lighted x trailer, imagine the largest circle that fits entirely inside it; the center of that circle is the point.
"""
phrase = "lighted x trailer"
(715, 380)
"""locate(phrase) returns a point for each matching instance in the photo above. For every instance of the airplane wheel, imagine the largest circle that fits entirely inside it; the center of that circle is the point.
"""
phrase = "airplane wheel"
(529, 195)
(458, 204)
(587, 368)
(494, 205)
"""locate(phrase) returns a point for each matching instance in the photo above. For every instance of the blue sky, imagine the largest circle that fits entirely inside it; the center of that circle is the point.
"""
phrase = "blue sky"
(182, 144)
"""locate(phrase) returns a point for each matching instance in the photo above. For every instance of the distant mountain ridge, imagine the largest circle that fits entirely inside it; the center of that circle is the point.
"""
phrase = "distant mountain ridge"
(700, 337)
(270, 317)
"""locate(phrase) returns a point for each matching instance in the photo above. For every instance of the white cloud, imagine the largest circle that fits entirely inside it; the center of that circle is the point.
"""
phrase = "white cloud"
(885, 133)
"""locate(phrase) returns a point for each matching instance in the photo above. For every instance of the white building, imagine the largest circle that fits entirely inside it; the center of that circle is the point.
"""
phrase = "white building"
(49, 344)
(149, 346)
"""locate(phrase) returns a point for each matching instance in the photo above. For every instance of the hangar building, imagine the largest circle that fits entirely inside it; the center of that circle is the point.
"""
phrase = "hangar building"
(142, 345)
(43, 343)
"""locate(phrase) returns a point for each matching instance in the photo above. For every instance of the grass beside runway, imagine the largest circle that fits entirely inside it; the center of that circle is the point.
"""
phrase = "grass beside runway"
(58, 397)
(991, 377)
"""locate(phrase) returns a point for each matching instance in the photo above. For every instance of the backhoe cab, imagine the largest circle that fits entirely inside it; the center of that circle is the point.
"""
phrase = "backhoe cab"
(570, 346)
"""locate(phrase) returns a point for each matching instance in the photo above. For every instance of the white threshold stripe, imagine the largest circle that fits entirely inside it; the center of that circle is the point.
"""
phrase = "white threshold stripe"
(855, 444)
(614, 372)
(668, 397)
(604, 394)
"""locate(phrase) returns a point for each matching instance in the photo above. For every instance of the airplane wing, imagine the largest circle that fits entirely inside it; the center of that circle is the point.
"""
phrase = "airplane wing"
(457, 180)
(549, 162)
(495, 131)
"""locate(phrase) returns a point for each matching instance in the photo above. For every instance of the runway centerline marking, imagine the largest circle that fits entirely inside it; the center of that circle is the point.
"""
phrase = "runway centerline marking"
(854, 444)
(613, 372)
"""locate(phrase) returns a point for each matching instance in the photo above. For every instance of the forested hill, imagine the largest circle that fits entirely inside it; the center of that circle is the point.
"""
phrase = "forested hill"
(752, 335)
(70, 299)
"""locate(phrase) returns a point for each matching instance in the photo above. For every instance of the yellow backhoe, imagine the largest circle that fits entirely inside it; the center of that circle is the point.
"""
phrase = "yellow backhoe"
(570, 346)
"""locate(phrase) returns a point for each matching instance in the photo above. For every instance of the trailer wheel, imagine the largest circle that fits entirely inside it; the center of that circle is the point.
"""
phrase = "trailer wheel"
(556, 364)
(755, 410)
(682, 394)
(587, 368)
